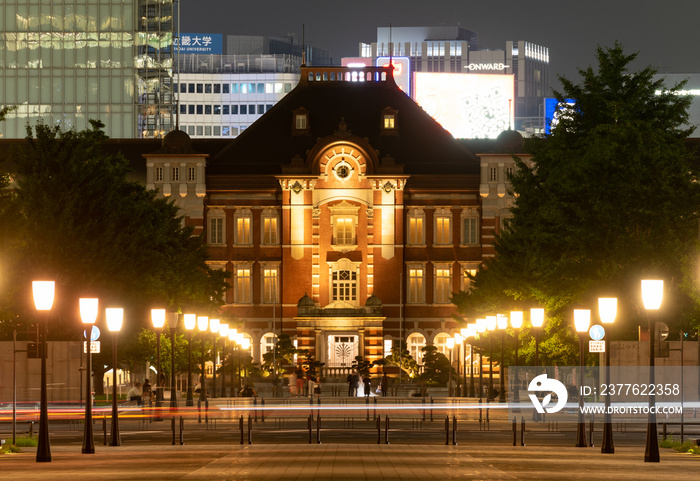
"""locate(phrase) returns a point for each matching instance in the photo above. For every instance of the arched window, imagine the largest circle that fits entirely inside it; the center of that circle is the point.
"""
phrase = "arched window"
(415, 344)
(267, 344)
(440, 342)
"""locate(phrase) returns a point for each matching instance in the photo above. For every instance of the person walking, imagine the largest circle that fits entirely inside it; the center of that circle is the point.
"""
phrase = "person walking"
(299, 373)
(384, 385)
(368, 385)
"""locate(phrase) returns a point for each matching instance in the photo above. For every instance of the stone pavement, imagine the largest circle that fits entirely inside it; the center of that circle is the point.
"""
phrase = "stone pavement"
(346, 462)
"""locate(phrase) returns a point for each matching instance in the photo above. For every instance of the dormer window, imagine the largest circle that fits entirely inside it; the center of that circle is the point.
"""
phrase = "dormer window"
(389, 122)
(300, 121)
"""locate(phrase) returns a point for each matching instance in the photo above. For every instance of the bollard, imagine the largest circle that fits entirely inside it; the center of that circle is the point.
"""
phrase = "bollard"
(318, 429)
(182, 431)
(386, 430)
(172, 426)
(447, 430)
(206, 410)
(423, 402)
(664, 431)
(480, 415)
(375, 408)
(262, 410)
(104, 430)
(590, 433)
(311, 402)
(255, 408)
(241, 427)
(379, 430)
(199, 410)
(522, 430)
(454, 430)
(487, 413)
(310, 429)
(515, 432)
(31, 429)
(318, 412)
(431, 409)
(250, 430)
(367, 404)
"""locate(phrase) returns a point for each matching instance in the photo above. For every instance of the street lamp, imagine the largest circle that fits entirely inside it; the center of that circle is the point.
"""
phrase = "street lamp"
(652, 295)
(450, 345)
(458, 344)
(88, 315)
(491, 323)
(537, 320)
(202, 323)
(464, 332)
(471, 333)
(582, 320)
(173, 318)
(502, 323)
(607, 309)
(43, 292)
(223, 331)
(115, 318)
(480, 329)
(158, 319)
(232, 336)
(190, 323)
(214, 328)
(516, 321)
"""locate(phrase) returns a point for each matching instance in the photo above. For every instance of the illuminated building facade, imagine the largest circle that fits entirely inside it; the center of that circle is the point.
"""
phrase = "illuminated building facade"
(345, 215)
(66, 62)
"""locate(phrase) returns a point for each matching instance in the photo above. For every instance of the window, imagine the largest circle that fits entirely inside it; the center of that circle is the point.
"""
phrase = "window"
(183, 88)
(217, 109)
(226, 110)
(234, 109)
(261, 109)
(200, 88)
(244, 88)
(443, 233)
(389, 121)
(175, 174)
(415, 344)
(267, 344)
(207, 130)
(287, 87)
(183, 108)
(216, 227)
(467, 270)
(260, 88)
(200, 109)
(268, 107)
(269, 227)
(441, 344)
(388, 344)
(207, 110)
(344, 232)
(416, 291)
(269, 287)
(443, 284)
(244, 109)
(493, 174)
(190, 88)
(200, 130)
(159, 174)
(344, 286)
(191, 174)
(415, 228)
(217, 131)
(190, 109)
(217, 88)
(225, 89)
(300, 121)
(242, 284)
(234, 89)
(509, 172)
(243, 222)
(207, 88)
(470, 227)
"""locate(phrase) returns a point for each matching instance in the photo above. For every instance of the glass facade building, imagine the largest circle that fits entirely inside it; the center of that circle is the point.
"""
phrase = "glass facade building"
(64, 62)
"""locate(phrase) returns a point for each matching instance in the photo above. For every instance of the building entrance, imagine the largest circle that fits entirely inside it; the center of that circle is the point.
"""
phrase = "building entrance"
(342, 350)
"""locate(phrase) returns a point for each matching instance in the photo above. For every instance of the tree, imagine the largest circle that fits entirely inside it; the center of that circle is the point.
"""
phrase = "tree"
(608, 198)
(437, 367)
(401, 358)
(75, 217)
(281, 358)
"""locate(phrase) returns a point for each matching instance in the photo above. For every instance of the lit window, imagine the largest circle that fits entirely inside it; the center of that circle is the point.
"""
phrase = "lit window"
(267, 344)
(300, 121)
(270, 276)
(389, 121)
(415, 344)
(159, 174)
(416, 291)
(388, 344)
(466, 280)
(344, 286)
(415, 228)
(243, 221)
(242, 284)
(443, 284)
(441, 344)
(443, 234)
(344, 232)
(269, 226)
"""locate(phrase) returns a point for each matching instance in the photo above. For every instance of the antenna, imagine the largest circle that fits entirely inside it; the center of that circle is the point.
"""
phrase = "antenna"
(177, 72)
(303, 45)
(391, 52)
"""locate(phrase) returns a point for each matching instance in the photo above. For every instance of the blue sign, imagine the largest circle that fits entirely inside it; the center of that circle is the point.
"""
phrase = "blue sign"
(597, 332)
(210, 43)
(551, 115)
(94, 333)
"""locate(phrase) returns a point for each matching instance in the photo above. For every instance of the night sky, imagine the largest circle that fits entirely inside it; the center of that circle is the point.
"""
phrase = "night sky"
(666, 34)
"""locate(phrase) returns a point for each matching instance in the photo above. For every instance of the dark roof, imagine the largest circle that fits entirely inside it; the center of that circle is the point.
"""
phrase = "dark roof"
(421, 146)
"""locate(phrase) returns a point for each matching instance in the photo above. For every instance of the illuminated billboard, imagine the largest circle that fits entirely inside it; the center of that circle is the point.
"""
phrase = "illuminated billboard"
(551, 116)
(200, 43)
(402, 71)
(469, 106)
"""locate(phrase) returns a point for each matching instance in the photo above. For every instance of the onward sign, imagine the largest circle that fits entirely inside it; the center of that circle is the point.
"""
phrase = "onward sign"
(200, 43)
(487, 66)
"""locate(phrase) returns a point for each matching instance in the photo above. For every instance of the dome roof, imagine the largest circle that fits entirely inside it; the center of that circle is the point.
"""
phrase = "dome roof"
(176, 142)
(305, 301)
(510, 141)
(373, 301)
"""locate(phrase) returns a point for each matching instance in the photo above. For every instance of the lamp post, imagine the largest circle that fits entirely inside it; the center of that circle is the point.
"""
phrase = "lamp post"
(607, 309)
(214, 328)
(464, 333)
(480, 329)
(223, 330)
(190, 323)
(158, 319)
(173, 318)
(491, 323)
(43, 292)
(88, 316)
(516, 322)
(460, 352)
(582, 320)
(115, 318)
(652, 295)
(502, 324)
(471, 333)
(537, 320)
(232, 335)
(450, 346)
(202, 323)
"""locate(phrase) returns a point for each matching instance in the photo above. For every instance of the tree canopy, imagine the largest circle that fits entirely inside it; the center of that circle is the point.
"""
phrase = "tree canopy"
(608, 198)
(74, 217)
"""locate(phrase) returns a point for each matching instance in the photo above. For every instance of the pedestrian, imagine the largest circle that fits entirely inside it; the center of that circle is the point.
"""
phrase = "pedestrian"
(134, 394)
(355, 383)
(384, 385)
(350, 386)
(299, 373)
(368, 385)
(147, 393)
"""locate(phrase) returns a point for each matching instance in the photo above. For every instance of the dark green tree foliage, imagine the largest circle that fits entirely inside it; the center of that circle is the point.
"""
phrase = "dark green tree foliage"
(282, 357)
(400, 357)
(609, 198)
(437, 367)
(75, 218)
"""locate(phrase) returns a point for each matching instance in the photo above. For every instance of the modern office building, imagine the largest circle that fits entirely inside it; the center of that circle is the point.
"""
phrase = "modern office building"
(65, 62)
(457, 50)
